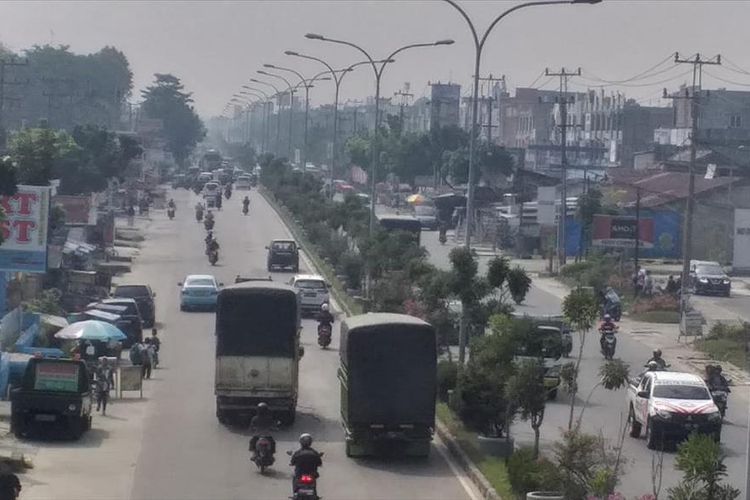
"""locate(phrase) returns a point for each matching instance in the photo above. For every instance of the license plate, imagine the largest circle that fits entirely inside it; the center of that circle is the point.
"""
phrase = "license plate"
(313, 295)
(45, 418)
(305, 491)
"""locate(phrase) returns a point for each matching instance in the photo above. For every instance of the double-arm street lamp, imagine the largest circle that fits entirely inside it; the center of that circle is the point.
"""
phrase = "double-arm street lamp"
(478, 47)
(291, 103)
(278, 112)
(307, 83)
(378, 68)
(338, 76)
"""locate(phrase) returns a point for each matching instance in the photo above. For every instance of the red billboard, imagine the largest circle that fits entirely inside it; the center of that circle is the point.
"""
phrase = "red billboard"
(620, 231)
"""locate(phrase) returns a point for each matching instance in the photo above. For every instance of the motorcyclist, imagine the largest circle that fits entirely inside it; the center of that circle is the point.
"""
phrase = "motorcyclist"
(306, 460)
(324, 316)
(442, 233)
(652, 366)
(245, 203)
(656, 358)
(171, 204)
(218, 201)
(606, 326)
(212, 246)
(715, 380)
(228, 191)
(210, 215)
(209, 237)
(261, 424)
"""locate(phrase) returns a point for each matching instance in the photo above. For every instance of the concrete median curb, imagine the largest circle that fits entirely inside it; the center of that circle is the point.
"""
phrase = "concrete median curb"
(480, 482)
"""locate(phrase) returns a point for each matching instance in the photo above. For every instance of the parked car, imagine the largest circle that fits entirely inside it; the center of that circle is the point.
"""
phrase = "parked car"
(427, 216)
(313, 291)
(671, 406)
(130, 322)
(708, 277)
(144, 297)
(199, 291)
(283, 254)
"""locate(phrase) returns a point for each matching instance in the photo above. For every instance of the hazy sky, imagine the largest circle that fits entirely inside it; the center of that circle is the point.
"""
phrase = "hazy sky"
(216, 46)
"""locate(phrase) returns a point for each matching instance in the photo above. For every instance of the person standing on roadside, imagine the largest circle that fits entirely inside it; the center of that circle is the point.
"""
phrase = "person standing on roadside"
(105, 379)
(146, 359)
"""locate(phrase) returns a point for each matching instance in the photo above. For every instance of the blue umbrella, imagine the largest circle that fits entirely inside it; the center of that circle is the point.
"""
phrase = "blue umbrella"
(91, 330)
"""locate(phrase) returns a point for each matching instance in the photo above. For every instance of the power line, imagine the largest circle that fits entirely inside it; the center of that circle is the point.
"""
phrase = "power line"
(728, 81)
(639, 76)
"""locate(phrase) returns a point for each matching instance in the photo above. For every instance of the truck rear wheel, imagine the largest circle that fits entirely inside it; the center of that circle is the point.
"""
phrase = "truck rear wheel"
(651, 437)
(287, 418)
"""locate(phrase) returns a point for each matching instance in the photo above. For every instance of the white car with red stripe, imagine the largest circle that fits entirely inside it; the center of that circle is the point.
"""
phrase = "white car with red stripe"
(671, 406)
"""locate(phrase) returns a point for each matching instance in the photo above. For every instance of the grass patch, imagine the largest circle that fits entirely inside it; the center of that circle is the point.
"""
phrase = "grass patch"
(656, 317)
(493, 468)
(726, 342)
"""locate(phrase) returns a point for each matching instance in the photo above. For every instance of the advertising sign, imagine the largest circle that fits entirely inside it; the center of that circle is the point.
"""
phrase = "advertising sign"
(545, 214)
(24, 230)
(619, 231)
(51, 376)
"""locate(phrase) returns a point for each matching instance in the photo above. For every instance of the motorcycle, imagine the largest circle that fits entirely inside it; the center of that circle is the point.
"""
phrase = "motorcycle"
(609, 344)
(170, 213)
(324, 334)
(227, 193)
(199, 215)
(208, 224)
(245, 209)
(720, 396)
(442, 238)
(305, 487)
(213, 257)
(264, 448)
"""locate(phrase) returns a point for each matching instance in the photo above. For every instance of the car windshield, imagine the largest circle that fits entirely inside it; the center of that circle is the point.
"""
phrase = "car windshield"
(131, 291)
(424, 210)
(200, 282)
(310, 284)
(284, 246)
(680, 392)
(710, 269)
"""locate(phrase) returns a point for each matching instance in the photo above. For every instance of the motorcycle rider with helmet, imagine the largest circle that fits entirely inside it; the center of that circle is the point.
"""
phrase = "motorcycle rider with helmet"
(656, 358)
(324, 316)
(245, 204)
(305, 460)
(261, 424)
(606, 326)
(715, 380)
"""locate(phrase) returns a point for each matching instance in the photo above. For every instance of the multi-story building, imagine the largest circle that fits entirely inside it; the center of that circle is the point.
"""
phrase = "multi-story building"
(526, 118)
(444, 104)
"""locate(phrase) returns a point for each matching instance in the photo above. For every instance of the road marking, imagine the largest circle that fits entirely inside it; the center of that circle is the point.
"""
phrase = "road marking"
(467, 485)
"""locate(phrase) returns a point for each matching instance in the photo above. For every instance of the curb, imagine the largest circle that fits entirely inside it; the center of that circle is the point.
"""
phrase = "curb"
(480, 482)
(487, 492)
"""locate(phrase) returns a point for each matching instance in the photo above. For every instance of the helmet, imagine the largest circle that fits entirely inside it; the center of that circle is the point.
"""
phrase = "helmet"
(652, 366)
(262, 407)
(305, 440)
(607, 317)
(657, 353)
(324, 307)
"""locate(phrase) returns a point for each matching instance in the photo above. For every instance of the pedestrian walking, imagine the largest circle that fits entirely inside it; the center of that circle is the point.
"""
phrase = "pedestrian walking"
(105, 379)
(131, 214)
(156, 342)
(146, 359)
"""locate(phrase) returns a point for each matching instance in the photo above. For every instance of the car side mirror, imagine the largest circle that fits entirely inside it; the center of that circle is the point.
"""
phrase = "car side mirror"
(221, 284)
(644, 394)
(179, 284)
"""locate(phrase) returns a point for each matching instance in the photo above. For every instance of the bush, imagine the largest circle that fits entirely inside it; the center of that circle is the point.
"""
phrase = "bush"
(527, 474)
(352, 266)
(519, 284)
(447, 378)
(596, 272)
(657, 303)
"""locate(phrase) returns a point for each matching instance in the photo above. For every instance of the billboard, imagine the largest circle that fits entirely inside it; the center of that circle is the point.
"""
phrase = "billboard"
(619, 231)
(24, 230)
(741, 256)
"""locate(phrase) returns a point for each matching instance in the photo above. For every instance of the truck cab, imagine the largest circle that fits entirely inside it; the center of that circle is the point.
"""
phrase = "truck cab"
(671, 406)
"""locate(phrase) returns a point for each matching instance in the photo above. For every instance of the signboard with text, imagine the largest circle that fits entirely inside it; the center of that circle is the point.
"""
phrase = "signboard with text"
(24, 230)
(620, 231)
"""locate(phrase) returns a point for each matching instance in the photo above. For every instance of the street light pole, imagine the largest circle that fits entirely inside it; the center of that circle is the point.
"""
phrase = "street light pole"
(338, 77)
(266, 113)
(263, 124)
(278, 112)
(378, 71)
(291, 105)
(478, 47)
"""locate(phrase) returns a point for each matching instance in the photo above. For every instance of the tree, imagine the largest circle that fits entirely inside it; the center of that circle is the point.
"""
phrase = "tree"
(581, 309)
(8, 181)
(491, 160)
(586, 465)
(613, 375)
(526, 393)
(519, 284)
(35, 152)
(701, 461)
(589, 204)
(182, 128)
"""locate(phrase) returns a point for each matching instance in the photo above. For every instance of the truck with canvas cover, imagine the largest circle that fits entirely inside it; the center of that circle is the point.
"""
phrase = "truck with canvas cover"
(257, 350)
(388, 376)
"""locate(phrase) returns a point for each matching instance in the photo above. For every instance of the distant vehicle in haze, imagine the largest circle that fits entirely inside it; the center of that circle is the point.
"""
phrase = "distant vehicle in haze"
(243, 182)
(402, 223)
(211, 160)
(283, 254)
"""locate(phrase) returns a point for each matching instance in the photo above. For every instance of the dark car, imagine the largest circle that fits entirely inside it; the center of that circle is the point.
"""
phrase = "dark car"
(143, 296)
(283, 254)
(709, 278)
(130, 322)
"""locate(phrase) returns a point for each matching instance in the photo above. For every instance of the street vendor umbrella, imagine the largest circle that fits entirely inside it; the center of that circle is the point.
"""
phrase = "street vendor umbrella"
(416, 199)
(91, 330)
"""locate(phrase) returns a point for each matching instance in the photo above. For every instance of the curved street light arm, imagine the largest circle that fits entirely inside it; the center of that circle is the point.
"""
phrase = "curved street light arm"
(354, 45)
(274, 75)
(513, 9)
(313, 58)
(390, 59)
(248, 87)
(255, 80)
(468, 21)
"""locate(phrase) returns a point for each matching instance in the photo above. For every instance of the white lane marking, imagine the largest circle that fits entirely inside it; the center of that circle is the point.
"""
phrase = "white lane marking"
(467, 485)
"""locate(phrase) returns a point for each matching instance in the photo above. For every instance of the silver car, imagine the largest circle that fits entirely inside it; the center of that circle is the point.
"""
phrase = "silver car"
(313, 291)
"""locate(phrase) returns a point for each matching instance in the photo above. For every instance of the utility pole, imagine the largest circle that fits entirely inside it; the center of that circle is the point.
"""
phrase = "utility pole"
(694, 98)
(637, 229)
(489, 100)
(563, 102)
(404, 101)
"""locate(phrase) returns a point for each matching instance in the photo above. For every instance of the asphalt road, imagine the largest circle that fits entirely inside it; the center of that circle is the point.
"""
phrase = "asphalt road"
(607, 410)
(184, 452)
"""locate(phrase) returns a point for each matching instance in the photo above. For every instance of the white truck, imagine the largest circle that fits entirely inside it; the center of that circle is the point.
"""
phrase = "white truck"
(671, 406)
